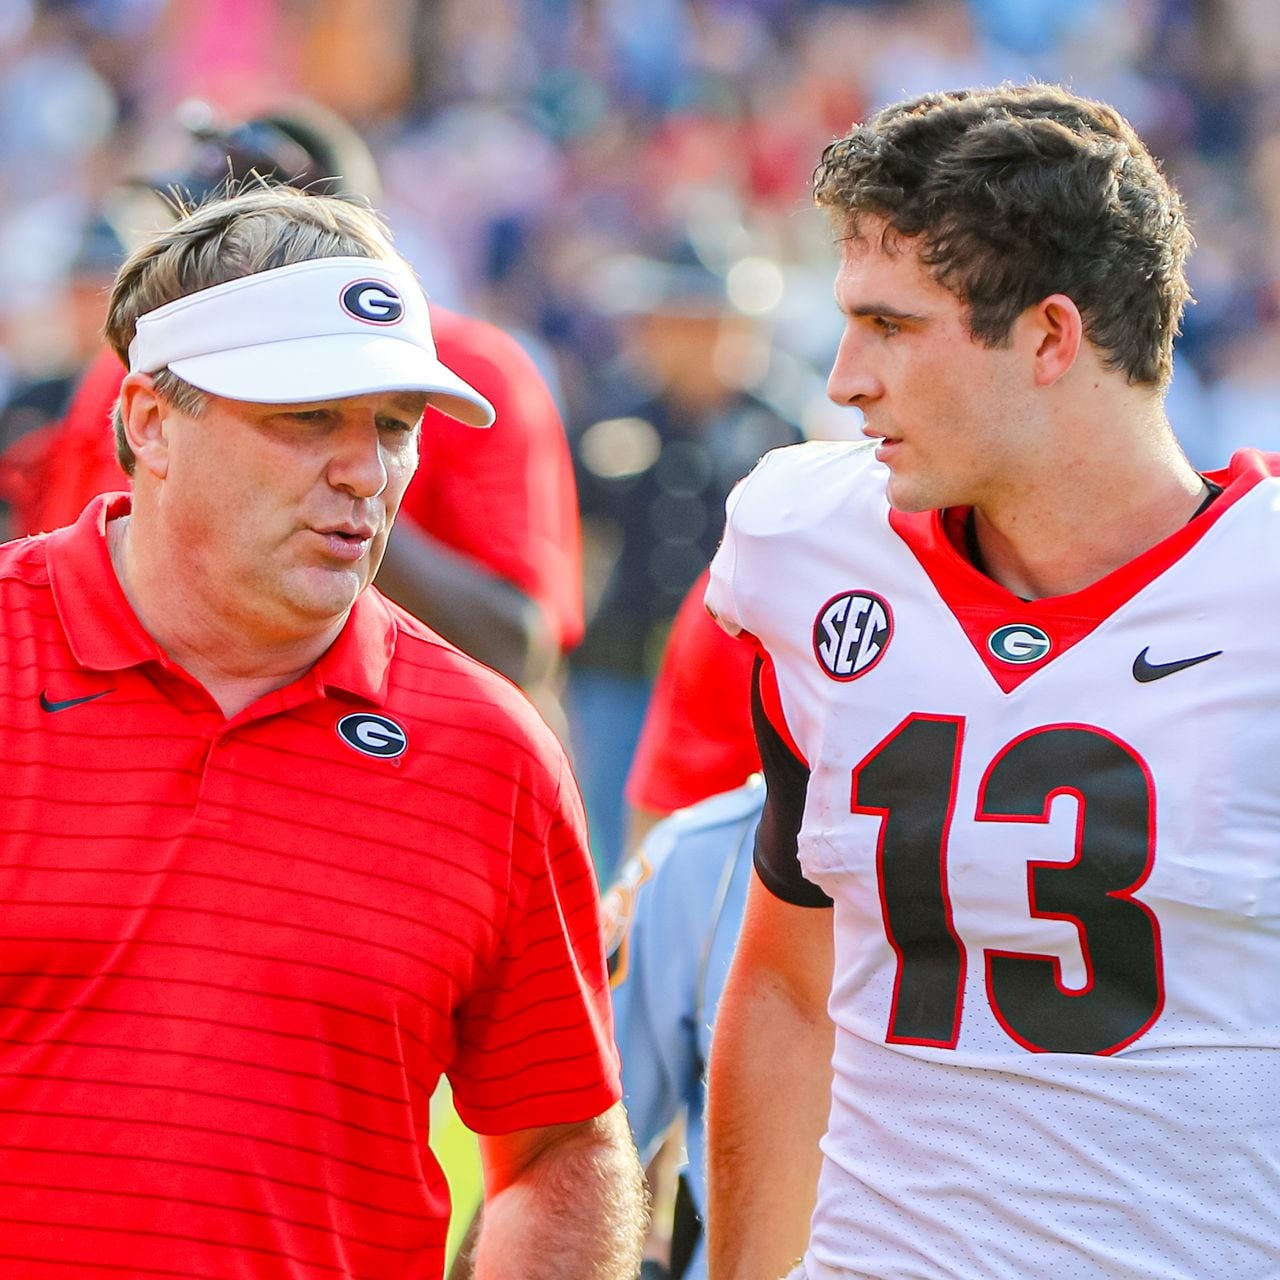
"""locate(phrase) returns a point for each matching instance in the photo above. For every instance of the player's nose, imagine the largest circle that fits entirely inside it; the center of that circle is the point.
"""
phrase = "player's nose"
(852, 381)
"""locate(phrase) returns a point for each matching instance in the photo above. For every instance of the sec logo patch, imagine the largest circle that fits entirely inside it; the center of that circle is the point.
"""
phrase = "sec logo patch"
(851, 633)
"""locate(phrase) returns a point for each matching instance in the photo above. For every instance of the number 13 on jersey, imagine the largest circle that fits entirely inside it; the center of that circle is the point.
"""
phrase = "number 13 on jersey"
(908, 781)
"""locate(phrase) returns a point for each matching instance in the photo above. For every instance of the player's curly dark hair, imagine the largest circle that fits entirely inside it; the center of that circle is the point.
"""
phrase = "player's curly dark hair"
(1019, 192)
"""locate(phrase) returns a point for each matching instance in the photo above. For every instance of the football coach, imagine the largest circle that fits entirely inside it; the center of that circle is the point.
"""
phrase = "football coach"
(274, 857)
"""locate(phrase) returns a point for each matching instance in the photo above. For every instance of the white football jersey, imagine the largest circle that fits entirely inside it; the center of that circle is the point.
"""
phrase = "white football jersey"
(1051, 831)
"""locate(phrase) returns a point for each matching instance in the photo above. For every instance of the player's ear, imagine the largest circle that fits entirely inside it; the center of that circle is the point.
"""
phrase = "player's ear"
(142, 413)
(1054, 333)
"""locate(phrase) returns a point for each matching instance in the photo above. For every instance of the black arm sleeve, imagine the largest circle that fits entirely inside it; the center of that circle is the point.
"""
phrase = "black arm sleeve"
(786, 781)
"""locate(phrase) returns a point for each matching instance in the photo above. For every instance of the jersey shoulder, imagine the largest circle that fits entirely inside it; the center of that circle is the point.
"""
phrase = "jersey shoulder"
(802, 485)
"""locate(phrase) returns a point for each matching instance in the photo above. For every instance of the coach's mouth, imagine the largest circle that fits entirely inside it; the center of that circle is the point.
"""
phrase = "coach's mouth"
(347, 542)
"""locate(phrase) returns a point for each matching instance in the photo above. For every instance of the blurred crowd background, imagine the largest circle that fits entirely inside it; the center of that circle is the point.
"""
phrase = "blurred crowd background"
(538, 155)
(623, 185)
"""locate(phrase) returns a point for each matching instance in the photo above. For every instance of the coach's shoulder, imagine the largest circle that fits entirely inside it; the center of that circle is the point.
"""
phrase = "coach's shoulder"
(26, 560)
(433, 679)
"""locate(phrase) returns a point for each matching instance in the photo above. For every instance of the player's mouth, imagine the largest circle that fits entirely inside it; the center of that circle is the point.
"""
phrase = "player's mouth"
(887, 447)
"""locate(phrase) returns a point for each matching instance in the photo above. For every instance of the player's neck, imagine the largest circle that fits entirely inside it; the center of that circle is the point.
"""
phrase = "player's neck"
(1066, 530)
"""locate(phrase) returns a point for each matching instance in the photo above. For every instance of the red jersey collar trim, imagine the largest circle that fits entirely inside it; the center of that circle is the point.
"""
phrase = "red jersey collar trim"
(105, 635)
(981, 605)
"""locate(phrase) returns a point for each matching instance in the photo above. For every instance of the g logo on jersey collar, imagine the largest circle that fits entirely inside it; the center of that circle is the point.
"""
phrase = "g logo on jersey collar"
(1020, 643)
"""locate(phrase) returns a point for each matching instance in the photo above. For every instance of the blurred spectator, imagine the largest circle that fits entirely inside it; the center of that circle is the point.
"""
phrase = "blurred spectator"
(673, 917)
(653, 475)
(696, 739)
(525, 141)
(43, 399)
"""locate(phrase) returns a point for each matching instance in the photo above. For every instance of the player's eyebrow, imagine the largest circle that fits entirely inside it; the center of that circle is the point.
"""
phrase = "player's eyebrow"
(884, 309)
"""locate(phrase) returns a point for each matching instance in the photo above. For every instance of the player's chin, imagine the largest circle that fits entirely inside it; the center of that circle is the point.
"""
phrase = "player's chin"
(909, 497)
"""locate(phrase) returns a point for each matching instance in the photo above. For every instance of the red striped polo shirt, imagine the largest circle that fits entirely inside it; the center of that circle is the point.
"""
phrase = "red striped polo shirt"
(237, 955)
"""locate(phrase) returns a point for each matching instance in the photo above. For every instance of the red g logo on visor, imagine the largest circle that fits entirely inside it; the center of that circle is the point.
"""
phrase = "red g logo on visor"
(373, 301)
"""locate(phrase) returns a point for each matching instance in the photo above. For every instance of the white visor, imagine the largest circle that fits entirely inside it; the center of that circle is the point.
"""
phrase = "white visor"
(318, 330)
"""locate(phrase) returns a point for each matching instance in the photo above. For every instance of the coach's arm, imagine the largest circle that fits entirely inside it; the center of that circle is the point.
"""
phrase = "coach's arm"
(563, 1201)
(769, 1090)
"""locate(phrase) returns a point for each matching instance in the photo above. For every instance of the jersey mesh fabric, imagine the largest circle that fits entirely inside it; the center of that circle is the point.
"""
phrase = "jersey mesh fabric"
(1056, 887)
(236, 956)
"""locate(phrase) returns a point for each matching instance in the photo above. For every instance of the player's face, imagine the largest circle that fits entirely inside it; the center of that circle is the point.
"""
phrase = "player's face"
(285, 509)
(945, 408)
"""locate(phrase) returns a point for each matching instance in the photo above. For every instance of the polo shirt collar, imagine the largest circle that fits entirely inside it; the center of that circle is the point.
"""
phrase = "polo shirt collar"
(105, 635)
(101, 627)
(358, 662)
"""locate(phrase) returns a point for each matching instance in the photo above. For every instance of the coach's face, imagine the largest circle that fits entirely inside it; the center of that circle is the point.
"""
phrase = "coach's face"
(281, 512)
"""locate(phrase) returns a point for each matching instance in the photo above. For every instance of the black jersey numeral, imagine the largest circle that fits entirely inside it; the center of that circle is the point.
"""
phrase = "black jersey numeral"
(909, 781)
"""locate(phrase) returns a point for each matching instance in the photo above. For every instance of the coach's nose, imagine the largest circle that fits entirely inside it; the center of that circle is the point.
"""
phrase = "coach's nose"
(357, 463)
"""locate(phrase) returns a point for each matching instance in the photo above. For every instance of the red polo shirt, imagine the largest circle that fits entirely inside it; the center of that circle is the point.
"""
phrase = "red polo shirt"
(236, 955)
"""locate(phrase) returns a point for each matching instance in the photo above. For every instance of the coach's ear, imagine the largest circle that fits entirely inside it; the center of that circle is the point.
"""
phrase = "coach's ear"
(1054, 331)
(142, 413)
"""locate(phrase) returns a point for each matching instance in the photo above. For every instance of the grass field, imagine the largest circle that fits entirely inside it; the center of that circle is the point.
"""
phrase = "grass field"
(455, 1148)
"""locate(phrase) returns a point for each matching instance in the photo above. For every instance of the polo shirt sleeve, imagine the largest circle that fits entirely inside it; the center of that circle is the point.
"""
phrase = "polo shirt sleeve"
(535, 1039)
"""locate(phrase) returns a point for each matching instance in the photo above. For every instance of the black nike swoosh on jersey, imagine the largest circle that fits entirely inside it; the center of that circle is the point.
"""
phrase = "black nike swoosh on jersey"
(1145, 671)
(47, 705)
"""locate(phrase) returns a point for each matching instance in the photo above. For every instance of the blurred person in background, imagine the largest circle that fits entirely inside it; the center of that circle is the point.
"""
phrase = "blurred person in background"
(672, 918)
(696, 738)
(652, 478)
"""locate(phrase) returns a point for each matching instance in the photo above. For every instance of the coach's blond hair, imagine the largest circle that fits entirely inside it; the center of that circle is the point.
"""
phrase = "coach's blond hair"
(240, 234)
